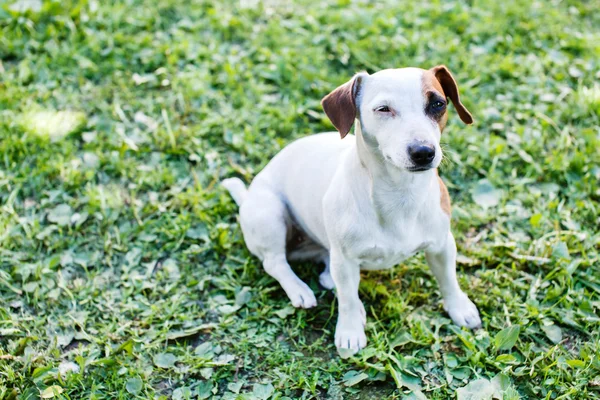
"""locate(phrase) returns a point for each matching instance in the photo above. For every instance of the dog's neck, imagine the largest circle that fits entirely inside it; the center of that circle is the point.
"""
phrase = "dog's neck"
(392, 189)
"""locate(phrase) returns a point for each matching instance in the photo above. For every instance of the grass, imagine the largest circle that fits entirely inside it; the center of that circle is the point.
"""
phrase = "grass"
(123, 273)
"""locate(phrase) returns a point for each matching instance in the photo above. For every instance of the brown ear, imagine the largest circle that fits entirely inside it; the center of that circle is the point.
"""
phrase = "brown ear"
(340, 105)
(448, 83)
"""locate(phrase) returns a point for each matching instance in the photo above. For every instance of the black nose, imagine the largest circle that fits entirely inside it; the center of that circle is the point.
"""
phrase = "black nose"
(421, 154)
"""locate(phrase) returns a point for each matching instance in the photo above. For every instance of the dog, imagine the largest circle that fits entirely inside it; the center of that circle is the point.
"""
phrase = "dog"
(366, 201)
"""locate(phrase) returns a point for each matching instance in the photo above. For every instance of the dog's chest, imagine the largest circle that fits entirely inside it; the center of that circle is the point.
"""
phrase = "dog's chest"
(385, 248)
(380, 256)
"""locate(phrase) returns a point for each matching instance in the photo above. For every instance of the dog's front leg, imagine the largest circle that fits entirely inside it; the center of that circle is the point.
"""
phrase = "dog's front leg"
(456, 303)
(350, 329)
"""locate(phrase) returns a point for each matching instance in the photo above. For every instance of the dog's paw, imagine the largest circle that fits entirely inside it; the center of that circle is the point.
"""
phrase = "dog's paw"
(350, 338)
(301, 295)
(326, 280)
(462, 311)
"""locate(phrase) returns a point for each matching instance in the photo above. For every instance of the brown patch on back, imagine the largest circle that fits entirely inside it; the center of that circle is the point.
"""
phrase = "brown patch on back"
(444, 197)
(429, 83)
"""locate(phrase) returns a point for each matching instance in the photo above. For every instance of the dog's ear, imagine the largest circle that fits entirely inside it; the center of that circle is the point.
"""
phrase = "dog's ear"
(340, 105)
(450, 87)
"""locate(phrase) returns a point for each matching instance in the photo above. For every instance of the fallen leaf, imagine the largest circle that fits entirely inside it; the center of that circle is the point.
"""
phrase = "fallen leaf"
(560, 250)
(165, 360)
(479, 389)
(284, 312)
(553, 332)
(261, 391)
(134, 385)
(485, 194)
(243, 296)
(51, 392)
(507, 337)
(61, 215)
(352, 378)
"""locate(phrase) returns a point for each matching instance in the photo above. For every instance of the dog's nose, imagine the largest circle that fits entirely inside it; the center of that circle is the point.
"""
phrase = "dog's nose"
(421, 154)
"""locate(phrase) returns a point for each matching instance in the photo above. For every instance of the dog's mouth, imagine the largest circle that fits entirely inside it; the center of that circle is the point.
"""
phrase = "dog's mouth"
(419, 168)
(411, 168)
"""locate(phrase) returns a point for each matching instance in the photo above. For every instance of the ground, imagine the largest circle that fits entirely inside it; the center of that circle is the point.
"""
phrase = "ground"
(123, 272)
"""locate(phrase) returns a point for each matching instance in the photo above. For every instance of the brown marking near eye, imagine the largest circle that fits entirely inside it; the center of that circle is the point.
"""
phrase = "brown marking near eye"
(429, 85)
(442, 121)
(444, 197)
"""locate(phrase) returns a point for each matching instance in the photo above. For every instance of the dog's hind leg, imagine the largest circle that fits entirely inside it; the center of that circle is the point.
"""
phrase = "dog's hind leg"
(265, 223)
(325, 278)
(298, 292)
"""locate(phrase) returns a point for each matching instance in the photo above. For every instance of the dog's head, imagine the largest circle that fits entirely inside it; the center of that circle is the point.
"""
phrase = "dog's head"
(402, 113)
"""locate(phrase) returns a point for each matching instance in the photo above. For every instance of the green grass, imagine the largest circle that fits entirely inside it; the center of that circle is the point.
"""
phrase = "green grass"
(123, 273)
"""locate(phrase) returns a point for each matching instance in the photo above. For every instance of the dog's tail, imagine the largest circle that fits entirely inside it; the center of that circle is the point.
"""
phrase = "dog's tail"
(236, 189)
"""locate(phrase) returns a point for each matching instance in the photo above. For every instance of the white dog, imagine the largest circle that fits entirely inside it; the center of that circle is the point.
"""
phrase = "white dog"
(366, 202)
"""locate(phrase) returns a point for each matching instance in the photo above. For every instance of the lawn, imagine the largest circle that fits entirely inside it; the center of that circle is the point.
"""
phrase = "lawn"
(123, 271)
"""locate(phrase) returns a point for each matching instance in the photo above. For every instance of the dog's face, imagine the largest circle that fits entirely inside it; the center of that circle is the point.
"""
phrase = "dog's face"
(402, 113)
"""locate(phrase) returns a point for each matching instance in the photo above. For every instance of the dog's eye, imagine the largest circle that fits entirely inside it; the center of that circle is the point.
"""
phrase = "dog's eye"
(383, 109)
(438, 105)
